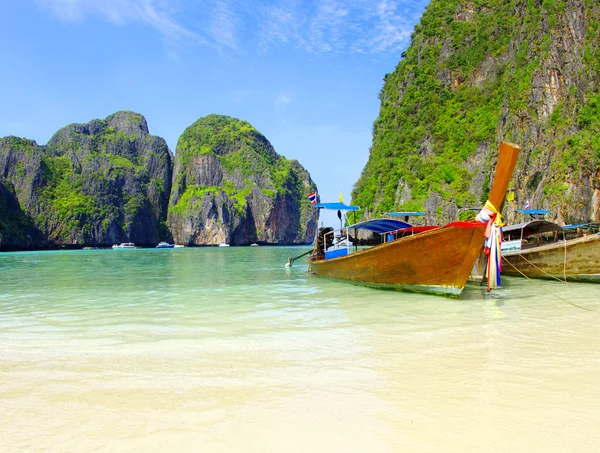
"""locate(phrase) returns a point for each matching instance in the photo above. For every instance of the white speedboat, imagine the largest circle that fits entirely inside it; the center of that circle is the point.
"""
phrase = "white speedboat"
(223, 244)
(165, 245)
(124, 246)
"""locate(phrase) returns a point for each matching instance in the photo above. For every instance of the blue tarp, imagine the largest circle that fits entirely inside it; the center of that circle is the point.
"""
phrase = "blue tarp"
(381, 225)
(337, 206)
(407, 214)
(581, 225)
(532, 211)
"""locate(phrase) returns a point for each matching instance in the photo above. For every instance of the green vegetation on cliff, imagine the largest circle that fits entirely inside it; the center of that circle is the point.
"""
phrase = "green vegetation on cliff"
(16, 228)
(64, 198)
(101, 182)
(477, 73)
(230, 184)
(240, 149)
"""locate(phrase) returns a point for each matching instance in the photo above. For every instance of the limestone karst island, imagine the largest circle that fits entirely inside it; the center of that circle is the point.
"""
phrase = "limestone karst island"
(110, 181)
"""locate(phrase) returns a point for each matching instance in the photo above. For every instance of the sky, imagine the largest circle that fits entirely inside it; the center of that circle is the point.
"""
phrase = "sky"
(305, 74)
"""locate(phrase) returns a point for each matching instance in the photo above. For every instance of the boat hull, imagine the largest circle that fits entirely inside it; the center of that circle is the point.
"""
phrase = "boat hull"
(573, 260)
(437, 261)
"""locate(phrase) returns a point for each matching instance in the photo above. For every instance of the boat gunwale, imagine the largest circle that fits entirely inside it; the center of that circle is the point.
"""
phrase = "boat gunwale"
(395, 242)
(551, 246)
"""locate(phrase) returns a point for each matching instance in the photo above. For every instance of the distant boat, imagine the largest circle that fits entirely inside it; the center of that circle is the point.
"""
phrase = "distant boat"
(254, 244)
(179, 246)
(124, 246)
(540, 249)
(223, 244)
(435, 260)
(164, 245)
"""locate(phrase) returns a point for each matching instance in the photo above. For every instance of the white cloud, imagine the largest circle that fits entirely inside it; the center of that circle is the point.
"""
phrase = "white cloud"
(120, 12)
(282, 100)
(278, 24)
(319, 26)
(223, 27)
(340, 26)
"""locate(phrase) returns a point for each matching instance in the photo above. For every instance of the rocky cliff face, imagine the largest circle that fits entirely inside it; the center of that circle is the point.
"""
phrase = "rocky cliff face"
(230, 185)
(98, 183)
(525, 71)
(109, 181)
(17, 231)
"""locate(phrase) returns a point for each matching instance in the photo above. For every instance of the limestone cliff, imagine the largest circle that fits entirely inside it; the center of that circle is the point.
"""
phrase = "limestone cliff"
(17, 231)
(98, 183)
(525, 71)
(230, 185)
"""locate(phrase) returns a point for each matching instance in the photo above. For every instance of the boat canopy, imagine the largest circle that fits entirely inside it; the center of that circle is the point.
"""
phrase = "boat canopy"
(574, 226)
(533, 227)
(381, 226)
(533, 211)
(337, 206)
(407, 214)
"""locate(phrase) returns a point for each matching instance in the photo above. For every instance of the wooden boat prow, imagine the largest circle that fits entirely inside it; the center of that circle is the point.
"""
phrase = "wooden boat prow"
(436, 261)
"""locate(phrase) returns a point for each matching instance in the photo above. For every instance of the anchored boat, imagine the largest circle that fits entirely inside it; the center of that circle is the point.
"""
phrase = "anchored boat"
(543, 249)
(124, 246)
(435, 260)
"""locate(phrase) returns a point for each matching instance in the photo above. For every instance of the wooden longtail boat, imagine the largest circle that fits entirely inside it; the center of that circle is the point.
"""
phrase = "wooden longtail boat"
(436, 261)
(540, 249)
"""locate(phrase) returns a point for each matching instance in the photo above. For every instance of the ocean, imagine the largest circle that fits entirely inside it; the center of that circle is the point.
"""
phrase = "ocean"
(223, 349)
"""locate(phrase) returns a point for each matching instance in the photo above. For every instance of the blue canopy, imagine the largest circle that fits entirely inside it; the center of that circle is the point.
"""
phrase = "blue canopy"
(573, 226)
(337, 206)
(381, 225)
(407, 214)
(533, 211)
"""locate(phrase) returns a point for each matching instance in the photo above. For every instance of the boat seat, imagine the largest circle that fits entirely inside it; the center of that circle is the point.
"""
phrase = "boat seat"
(336, 253)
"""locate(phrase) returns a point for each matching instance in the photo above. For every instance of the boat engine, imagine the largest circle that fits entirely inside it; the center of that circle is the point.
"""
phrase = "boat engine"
(324, 239)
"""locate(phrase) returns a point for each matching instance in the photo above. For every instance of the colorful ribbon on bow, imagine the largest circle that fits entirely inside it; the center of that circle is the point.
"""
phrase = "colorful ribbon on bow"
(493, 243)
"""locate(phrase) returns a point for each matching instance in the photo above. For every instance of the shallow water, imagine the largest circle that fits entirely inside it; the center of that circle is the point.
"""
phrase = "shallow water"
(222, 349)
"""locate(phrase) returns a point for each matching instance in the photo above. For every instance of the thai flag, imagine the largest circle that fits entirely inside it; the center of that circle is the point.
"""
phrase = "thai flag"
(527, 204)
(313, 197)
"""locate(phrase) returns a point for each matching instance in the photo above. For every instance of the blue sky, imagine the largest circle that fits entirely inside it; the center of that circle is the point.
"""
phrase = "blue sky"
(306, 74)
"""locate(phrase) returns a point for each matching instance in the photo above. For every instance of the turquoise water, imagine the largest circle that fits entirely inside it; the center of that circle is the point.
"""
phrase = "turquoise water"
(223, 349)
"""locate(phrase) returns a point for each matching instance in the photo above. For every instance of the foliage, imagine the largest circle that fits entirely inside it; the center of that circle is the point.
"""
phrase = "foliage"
(29, 147)
(469, 67)
(63, 196)
(192, 198)
(15, 225)
(245, 156)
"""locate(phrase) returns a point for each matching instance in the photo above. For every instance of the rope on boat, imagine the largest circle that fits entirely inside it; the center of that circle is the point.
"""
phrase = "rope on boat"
(542, 270)
(549, 292)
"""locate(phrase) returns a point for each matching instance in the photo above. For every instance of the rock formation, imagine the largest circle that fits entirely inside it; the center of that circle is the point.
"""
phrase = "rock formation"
(230, 185)
(109, 181)
(17, 231)
(98, 183)
(477, 73)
